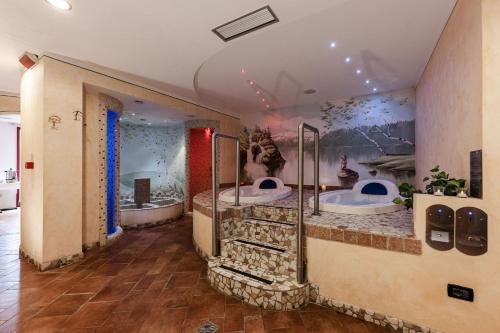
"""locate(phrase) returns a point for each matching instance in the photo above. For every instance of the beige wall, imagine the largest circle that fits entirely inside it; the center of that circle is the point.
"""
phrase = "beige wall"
(413, 287)
(202, 232)
(53, 87)
(460, 89)
(91, 191)
(9, 103)
(448, 116)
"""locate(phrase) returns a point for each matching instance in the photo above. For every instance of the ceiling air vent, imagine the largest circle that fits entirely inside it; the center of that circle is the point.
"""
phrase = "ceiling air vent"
(247, 23)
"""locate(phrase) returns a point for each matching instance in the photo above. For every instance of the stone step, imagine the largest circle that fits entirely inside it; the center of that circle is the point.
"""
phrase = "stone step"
(284, 214)
(269, 257)
(272, 232)
(255, 285)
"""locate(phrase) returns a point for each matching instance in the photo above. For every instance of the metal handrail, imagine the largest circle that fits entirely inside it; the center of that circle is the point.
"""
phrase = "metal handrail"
(215, 225)
(300, 217)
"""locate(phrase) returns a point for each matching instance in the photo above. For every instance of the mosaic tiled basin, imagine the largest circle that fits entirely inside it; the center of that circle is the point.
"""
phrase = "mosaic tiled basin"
(264, 189)
(366, 198)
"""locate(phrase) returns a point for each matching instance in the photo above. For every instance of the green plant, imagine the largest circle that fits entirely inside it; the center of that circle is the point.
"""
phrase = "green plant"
(406, 191)
(442, 178)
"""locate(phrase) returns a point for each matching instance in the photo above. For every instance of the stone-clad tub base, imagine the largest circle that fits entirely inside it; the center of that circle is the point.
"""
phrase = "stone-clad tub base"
(267, 299)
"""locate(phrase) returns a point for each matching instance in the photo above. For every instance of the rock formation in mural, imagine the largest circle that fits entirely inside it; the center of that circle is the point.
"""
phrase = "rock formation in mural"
(260, 156)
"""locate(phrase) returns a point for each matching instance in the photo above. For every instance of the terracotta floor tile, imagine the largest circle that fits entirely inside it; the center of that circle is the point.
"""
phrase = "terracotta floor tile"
(89, 285)
(43, 324)
(281, 319)
(164, 320)
(206, 306)
(64, 305)
(254, 324)
(113, 292)
(185, 279)
(321, 322)
(109, 269)
(176, 297)
(91, 315)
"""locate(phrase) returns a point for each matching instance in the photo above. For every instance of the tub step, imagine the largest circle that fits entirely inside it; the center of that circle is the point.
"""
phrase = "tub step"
(272, 232)
(269, 257)
(256, 286)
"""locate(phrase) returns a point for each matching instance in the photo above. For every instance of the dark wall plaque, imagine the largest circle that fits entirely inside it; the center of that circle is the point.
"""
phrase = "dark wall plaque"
(440, 225)
(142, 193)
(472, 231)
(476, 174)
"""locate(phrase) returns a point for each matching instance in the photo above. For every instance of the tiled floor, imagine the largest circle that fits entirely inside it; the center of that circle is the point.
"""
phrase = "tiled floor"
(147, 281)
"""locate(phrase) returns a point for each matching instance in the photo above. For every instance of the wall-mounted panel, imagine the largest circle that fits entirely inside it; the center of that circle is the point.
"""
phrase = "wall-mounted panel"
(472, 231)
(440, 233)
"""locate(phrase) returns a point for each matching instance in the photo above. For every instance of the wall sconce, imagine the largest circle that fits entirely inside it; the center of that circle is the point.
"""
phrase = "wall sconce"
(323, 188)
(55, 120)
(28, 60)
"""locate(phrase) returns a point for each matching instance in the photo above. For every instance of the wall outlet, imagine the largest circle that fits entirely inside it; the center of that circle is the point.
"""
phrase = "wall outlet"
(463, 293)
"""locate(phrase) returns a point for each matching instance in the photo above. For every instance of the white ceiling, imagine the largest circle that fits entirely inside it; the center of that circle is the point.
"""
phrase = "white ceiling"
(168, 45)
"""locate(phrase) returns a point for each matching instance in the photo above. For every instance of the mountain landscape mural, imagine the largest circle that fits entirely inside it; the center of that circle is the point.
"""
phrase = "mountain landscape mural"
(364, 137)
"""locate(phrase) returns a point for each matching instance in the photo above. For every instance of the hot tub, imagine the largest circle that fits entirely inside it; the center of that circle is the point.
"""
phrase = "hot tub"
(158, 211)
(367, 197)
(264, 189)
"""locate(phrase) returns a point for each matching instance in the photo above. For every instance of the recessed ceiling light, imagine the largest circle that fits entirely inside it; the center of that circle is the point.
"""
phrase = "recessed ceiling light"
(348, 59)
(258, 92)
(263, 100)
(149, 124)
(60, 4)
(375, 89)
(133, 114)
(358, 71)
(251, 83)
(242, 71)
(333, 45)
(268, 106)
(367, 81)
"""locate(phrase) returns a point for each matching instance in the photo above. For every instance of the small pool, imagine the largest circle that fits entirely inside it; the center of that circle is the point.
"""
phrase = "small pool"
(158, 211)
(264, 189)
(367, 197)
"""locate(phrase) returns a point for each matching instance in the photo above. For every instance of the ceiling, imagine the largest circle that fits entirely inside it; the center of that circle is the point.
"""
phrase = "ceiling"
(169, 46)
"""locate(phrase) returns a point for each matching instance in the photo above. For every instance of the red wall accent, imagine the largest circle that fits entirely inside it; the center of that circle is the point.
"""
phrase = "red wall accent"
(200, 162)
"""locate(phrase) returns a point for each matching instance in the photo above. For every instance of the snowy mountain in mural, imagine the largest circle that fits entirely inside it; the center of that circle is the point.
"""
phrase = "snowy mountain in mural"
(361, 137)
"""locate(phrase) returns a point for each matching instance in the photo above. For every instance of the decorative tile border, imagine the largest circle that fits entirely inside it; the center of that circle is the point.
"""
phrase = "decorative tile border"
(56, 263)
(367, 315)
(354, 237)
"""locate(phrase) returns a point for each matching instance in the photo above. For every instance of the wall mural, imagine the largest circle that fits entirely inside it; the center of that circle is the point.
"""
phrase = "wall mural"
(364, 137)
(153, 152)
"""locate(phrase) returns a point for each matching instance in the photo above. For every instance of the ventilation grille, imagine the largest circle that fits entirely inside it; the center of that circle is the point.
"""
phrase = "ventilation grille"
(247, 23)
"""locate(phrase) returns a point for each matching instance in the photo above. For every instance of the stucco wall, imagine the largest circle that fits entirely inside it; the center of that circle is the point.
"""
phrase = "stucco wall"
(448, 116)
(457, 111)
(56, 204)
(32, 193)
